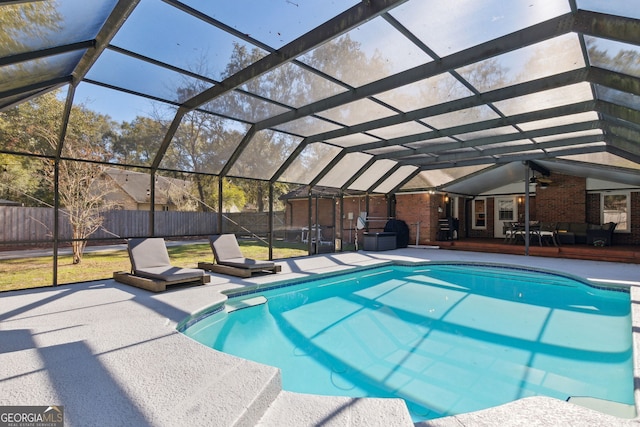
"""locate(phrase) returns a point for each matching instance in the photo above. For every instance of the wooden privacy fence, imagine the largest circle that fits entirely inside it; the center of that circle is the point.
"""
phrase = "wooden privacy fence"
(29, 224)
(247, 223)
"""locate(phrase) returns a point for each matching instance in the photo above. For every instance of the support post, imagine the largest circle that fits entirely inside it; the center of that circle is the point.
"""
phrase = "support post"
(310, 219)
(56, 218)
(526, 210)
(220, 204)
(316, 232)
(341, 220)
(152, 202)
(270, 221)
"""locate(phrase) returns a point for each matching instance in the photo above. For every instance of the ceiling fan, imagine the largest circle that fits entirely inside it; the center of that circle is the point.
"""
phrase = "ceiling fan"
(542, 181)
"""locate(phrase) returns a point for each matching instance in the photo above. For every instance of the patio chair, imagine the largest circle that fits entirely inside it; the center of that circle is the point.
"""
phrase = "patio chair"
(513, 230)
(547, 231)
(229, 259)
(151, 268)
(601, 235)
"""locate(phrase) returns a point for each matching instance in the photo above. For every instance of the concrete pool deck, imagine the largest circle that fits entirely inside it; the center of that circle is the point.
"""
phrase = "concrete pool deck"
(110, 354)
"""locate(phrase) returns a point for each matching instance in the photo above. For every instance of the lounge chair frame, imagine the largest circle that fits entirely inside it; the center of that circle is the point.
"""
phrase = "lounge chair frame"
(143, 273)
(229, 260)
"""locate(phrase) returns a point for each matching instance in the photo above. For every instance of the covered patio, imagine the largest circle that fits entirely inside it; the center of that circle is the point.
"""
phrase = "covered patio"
(625, 254)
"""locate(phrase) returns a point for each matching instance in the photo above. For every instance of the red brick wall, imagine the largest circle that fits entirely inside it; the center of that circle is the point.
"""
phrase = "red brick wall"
(378, 209)
(593, 208)
(377, 213)
(422, 208)
(462, 217)
(488, 232)
(353, 205)
(563, 201)
(566, 200)
(632, 238)
(297, 214)
(533, 212)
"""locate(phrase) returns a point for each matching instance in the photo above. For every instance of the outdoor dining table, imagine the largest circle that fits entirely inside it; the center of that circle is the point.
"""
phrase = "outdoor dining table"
(513, 230)
(518, 229)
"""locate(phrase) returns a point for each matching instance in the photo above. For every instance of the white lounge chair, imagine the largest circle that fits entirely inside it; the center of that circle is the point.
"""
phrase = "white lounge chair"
(151, 267)
(229, 259)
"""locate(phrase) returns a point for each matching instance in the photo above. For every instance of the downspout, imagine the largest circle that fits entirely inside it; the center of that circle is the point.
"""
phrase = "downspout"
(334, 202)
(366, 206)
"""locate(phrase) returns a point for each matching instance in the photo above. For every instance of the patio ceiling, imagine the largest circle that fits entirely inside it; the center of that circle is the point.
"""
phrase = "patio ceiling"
(376, 96)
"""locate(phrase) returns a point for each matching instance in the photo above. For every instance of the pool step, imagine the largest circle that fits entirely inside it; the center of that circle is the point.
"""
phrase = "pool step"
(294, 409)
(617, 409)
(245, 303)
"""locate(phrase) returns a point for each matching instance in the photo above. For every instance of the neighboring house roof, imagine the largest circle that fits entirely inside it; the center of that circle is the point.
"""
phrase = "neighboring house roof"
(5, 202)
(138, 185)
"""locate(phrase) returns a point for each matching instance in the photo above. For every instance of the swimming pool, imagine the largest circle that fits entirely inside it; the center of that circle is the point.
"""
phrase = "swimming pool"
(446, 338)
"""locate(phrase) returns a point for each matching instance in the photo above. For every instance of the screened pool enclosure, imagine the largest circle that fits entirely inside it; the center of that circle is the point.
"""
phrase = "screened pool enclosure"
(168, 118)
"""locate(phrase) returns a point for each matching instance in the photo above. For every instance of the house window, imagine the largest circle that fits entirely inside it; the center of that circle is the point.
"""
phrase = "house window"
(479, 214)
(616, 207)
(506, 209)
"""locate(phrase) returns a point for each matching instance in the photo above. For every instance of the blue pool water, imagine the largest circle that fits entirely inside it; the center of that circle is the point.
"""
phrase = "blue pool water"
(446, 338)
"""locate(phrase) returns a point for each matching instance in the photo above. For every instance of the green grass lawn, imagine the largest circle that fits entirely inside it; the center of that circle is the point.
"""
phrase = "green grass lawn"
(36, 272)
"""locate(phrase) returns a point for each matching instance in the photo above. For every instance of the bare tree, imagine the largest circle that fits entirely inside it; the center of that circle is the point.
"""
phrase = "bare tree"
(35, 126)
(82, 193)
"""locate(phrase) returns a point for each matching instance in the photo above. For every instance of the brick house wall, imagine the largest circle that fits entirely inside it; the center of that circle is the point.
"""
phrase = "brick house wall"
(632, 238)
(568, 201)
(593, 208)
(420, 208)
(488, 232)
(462, 216)
(297, 215)
(378, 210)
(563, 201)
(297, 212)
(533, 212)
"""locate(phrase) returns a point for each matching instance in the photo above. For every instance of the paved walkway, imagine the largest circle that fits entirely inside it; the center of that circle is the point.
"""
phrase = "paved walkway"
(110, 354)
